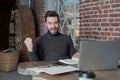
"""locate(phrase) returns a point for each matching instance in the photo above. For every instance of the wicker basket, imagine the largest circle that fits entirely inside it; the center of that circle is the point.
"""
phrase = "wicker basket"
(8, 61)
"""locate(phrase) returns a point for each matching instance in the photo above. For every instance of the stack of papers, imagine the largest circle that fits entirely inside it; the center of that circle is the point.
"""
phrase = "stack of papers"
(53, 70)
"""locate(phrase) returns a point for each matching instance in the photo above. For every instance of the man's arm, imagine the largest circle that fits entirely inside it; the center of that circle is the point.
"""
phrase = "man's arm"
(31, 54)
(72, 50)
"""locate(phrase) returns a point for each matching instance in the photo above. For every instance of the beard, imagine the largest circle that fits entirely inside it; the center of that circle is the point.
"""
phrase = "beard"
(53, 30)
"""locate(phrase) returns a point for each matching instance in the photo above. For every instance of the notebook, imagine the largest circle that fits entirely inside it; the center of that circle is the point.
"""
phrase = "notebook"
(99, 55)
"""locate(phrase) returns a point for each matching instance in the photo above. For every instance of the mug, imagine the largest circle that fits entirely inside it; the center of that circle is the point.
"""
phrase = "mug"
(86, 75)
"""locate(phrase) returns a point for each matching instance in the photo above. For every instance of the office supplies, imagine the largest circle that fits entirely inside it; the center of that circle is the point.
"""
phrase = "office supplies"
(99, 55)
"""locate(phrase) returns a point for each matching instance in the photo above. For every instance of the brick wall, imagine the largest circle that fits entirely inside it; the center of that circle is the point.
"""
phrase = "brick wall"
(38, 8)
(100, 19)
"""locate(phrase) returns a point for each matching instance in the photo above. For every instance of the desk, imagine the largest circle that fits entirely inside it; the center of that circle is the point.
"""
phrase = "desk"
(100, 75)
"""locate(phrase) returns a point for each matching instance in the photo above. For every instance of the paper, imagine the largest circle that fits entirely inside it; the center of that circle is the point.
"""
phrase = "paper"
(38, 78)
(53, 70)
(69, 61)
(37, 70)
(59, 69)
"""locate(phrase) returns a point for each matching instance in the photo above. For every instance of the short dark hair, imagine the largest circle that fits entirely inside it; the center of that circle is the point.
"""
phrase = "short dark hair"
(51, 14)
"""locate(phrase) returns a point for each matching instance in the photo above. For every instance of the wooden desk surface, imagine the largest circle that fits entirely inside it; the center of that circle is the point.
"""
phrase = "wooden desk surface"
(100, 75)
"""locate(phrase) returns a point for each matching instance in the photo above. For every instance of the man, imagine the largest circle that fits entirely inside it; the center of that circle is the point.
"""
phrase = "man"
(53, 45)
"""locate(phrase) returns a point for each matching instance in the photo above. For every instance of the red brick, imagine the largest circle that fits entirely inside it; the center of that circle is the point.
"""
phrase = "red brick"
(38, 7)
(111, 38)
(115, 5)
(117, 20)
(105, 7)
(87, 16)
(95, 16)
(95, 8)
(115, 15)
(115, 24)
(110, 29)
(116, 34)
(117, 10)
(117, 38)
(86, 25)
(117, 29)
(101, 3)
(111, 20)
(87, 33)
(104, 20)
(106, 11)
(87, 9)
(105, 24)
(104, 15)
(117, 1)
(95, 24)
(95, 33)
(111, 10)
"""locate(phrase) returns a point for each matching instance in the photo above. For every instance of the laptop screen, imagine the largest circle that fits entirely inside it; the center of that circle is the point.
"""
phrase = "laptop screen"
(99, 55)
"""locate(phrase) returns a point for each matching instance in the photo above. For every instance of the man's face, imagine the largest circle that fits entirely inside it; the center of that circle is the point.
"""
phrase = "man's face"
(52, 24)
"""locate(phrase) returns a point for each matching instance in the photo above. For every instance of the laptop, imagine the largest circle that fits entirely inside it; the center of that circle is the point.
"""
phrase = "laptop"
(99, 55)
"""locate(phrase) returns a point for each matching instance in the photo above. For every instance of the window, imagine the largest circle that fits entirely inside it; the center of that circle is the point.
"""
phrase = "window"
(25, 2)
(69, 18)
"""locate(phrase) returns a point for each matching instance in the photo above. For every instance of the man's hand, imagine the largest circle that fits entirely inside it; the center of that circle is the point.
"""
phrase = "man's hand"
(29, 44)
